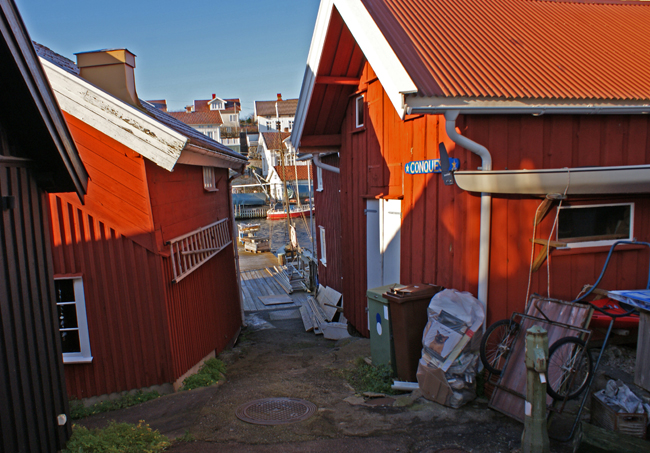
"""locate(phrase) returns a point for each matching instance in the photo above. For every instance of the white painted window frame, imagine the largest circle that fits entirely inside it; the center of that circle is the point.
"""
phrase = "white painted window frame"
(359, 108)
(209, 182)
(323, 246)
(84, 356)
(319, 179)
(607, 242)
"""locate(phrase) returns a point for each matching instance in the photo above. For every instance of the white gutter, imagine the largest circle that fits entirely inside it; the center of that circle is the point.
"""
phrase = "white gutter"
(486, 204)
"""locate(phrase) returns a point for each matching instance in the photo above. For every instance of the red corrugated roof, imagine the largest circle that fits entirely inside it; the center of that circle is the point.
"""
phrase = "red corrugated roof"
(521, 48)
(290, 172)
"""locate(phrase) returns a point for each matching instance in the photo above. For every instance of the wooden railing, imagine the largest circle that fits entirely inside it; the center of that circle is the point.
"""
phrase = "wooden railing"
(190, 251)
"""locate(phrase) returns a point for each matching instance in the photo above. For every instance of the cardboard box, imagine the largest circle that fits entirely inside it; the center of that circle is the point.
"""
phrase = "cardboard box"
(433, 384)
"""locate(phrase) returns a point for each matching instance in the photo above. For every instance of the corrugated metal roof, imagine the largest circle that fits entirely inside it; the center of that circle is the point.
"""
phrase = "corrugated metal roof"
(521, 48)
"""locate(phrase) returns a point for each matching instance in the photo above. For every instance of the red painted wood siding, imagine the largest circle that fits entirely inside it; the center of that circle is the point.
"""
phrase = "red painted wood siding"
(203, 310)
(117, 186)
(123, 290)
(440, 224)
(329, 207)
(179, 202)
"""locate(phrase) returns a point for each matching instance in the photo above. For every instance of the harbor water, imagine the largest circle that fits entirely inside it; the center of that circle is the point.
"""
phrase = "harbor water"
(276, 231)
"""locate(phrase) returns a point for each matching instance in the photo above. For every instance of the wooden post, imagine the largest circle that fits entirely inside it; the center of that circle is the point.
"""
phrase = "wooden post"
(642, 367)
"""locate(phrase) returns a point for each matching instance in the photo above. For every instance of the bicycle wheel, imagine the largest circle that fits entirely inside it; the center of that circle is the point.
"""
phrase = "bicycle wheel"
(569, 368)
(497, 343)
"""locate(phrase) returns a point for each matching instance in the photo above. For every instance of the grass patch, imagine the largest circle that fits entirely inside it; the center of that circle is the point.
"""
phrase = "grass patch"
(369, 378)
(210, 373)
(187, 437)
(117, 438)
(77, 409)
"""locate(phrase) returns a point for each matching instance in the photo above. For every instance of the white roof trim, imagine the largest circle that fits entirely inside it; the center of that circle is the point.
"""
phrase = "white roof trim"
(390, 71)
(113, 117)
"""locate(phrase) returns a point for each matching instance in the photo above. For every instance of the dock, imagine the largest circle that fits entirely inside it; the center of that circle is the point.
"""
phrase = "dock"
(257, 282)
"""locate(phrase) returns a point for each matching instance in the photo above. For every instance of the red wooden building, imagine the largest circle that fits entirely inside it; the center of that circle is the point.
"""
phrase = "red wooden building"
(506, 86)
(37, 154)
(145, 270)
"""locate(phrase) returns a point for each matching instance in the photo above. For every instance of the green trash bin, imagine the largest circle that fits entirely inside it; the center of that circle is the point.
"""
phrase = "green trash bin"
(381, 335)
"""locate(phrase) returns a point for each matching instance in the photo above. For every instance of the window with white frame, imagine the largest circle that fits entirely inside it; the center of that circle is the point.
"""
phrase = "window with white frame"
(208, 179)
(319, 179)
(595, 225)
(359, 117)
(323, 248)
(71, 320)
(290, 125)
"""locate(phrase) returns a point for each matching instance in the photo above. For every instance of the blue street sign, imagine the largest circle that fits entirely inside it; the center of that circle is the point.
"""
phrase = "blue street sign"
(419, 167)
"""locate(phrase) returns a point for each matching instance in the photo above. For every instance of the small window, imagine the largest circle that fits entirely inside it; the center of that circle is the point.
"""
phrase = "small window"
(290, 125)
(319, 179)
(360, 111)
(595, 225)
(72, 321)
(208, 179)
(323, 248)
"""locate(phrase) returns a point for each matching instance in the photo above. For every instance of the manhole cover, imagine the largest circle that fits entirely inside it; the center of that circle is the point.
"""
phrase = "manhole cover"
(276, 411)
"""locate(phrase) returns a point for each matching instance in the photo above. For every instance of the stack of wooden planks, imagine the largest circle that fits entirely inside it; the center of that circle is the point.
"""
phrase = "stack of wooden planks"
(323, 314)
(288, 278)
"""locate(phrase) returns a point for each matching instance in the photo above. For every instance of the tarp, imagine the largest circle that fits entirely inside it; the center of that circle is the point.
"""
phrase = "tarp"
(249, 199)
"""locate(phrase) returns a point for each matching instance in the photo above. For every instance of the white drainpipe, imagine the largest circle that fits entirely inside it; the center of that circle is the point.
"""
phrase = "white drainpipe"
(318, 163)
(486, 202)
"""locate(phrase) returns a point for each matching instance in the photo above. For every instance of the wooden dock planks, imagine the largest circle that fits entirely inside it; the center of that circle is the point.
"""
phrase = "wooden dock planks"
(259, 283)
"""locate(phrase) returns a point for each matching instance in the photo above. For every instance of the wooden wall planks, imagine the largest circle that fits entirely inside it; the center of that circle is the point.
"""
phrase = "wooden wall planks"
(329, 204)
(123, 292)
(32, 392)
(440, 224)
(180, 203)
(203, 310)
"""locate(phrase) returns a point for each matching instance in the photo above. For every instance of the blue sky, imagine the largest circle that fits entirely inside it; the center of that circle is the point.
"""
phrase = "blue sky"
(188, 49)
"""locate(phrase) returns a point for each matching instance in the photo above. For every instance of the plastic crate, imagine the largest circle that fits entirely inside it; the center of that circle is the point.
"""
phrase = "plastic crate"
(605, 417)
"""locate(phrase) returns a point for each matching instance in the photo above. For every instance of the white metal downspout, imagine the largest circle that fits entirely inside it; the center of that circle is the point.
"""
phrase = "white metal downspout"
(319, 164)
(486, 204)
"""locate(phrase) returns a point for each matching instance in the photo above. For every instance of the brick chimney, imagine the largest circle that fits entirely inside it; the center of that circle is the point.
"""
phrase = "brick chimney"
(112, 71)
(214, 96)
(279, 96)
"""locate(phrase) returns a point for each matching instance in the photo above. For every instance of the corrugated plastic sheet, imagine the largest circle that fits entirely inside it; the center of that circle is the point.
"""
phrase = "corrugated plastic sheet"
(521, 48)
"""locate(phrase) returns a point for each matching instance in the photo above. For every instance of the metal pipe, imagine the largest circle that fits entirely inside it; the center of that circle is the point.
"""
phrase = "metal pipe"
(486, 204)
(319, 164)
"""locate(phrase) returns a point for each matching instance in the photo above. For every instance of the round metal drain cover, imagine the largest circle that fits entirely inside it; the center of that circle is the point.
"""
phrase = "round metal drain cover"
(276, 411)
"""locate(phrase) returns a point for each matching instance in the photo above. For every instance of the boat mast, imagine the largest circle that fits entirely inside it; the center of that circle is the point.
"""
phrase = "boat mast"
(286, 192)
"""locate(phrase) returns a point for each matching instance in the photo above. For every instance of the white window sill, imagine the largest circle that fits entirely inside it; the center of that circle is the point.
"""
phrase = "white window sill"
(76, 359)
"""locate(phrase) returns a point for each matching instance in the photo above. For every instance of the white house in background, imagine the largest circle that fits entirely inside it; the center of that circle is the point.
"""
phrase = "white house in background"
(217, 118)
(275, 115)
(269, 148)
(269, 145)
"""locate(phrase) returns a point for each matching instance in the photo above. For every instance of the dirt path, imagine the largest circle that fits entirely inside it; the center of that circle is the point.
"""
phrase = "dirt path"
(285, 361)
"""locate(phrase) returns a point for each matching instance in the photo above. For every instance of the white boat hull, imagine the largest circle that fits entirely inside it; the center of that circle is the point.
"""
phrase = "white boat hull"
(580, 181)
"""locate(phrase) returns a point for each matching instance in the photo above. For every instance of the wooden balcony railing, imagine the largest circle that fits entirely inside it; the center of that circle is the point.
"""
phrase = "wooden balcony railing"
(190, 251)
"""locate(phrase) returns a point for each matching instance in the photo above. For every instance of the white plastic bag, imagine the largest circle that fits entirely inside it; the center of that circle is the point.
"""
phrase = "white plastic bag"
(455, 319)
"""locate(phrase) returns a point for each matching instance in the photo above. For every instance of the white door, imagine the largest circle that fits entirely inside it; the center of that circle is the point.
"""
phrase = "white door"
(383, 223)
